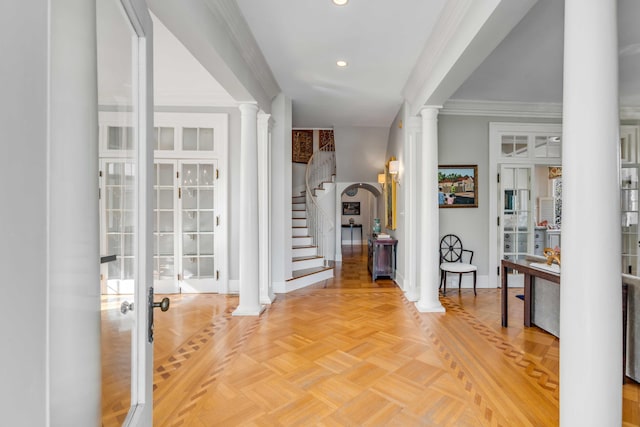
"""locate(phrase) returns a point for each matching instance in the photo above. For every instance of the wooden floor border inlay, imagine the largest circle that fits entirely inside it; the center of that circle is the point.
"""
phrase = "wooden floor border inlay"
(541, 376)
(174, 362)
(184, 410)
(482, 405)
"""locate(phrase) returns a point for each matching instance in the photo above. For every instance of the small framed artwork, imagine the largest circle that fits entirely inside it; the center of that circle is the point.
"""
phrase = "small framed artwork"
(458, 186)
(350, 208)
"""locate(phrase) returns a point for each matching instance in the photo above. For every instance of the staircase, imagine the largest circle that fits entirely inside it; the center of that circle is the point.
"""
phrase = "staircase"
(308, 267)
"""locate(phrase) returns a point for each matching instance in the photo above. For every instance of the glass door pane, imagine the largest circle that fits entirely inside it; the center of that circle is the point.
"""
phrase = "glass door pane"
(197, 223)
(629, 202)
(165, 273)
(117, 45)
(516, 215)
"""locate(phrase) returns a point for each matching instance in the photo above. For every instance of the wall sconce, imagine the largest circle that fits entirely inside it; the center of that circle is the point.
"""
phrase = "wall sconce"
(381, 178)
(394, 168)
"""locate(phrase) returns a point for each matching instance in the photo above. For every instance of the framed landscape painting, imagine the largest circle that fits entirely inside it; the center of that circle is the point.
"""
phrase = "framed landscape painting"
(458, 186)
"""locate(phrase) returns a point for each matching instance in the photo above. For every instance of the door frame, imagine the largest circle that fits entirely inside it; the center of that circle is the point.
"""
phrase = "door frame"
(141, 411)
(496, 130)
(219, 121)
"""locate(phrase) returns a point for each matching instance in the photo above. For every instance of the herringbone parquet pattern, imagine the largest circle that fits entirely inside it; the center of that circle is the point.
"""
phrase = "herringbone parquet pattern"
(354, 353)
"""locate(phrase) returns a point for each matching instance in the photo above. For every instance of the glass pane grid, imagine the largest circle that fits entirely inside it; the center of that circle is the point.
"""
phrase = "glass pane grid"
(164, 202)
(197, 220)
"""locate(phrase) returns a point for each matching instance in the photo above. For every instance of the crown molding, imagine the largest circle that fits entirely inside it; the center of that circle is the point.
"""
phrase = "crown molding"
(548, 110)
(193, 98)
(630, 112)
(460, 107)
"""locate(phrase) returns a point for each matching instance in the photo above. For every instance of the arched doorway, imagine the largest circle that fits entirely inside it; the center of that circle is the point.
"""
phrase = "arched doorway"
(358, 205)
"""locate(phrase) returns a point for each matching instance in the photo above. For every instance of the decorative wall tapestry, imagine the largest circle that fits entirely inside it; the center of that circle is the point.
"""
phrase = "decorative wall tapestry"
(302, 145)
(326, 138)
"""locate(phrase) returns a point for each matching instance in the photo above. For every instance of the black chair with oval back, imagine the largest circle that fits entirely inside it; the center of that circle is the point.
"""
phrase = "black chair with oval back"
(451, 261)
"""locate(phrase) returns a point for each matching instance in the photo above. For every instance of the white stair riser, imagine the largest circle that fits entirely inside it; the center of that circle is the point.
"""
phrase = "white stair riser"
(301, 241)
(301, 282)
(307, 263)
(304, 231)
(299, 222)
(299, 214)
(298, 199)
(298, 206)
(298, 252)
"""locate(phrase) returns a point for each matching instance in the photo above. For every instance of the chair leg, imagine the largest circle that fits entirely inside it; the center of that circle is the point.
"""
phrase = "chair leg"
(474, 283)
(459, 282)
(444, 284)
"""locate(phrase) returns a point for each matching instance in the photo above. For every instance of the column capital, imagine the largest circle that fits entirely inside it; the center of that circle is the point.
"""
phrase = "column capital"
(265, 119)
(248, 107)
(430, 111)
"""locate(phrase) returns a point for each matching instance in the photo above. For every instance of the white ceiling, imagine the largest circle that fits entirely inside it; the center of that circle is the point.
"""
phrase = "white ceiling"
(381, 39)
(527, 65)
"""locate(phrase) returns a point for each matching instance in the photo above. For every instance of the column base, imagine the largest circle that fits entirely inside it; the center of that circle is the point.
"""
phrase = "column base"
(268, 300)
(430, 307)
(411, 295)
(248, 311)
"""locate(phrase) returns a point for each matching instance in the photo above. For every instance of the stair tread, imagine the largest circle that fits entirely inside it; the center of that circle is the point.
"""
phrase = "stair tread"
(299, 226)
(305, 258)
(308, 271)
(303, 247)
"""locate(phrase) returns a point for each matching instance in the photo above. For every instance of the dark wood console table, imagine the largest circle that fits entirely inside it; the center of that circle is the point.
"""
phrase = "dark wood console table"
(381, 259)
(352, 226)
(530, 273)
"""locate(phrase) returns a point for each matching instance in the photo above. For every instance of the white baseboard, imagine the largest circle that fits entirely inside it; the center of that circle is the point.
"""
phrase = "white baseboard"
(482, 281)
(411, 293)
(400, 281)
(234, 286)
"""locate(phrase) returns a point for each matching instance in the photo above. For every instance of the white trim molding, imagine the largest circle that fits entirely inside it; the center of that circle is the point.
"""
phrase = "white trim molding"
(463, 107)
(549, 110)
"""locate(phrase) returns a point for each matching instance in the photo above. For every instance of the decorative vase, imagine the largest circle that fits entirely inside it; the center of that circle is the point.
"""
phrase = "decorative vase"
(376, 225)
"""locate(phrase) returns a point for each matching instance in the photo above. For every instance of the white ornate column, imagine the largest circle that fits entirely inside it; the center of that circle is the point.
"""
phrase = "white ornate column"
(590, 291)
(248, 243)
(429, 215)
(411, 207)
(264, 203)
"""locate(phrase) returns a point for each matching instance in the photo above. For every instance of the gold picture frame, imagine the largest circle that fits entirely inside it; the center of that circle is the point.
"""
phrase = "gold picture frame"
(458, 186)
(389, 197)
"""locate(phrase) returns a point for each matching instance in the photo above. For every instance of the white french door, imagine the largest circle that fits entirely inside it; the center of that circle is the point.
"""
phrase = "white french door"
(186, 219)
(516, 215)
(165, 225)
(124, 56)
(197, 223)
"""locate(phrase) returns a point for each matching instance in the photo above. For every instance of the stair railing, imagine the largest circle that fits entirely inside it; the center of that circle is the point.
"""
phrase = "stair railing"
(320, 168)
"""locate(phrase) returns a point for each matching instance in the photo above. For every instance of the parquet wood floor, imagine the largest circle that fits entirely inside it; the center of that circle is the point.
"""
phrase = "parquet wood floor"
(351, 352)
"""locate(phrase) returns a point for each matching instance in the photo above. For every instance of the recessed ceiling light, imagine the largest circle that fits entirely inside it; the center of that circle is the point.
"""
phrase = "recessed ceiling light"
(341, 63)
(340, 2)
